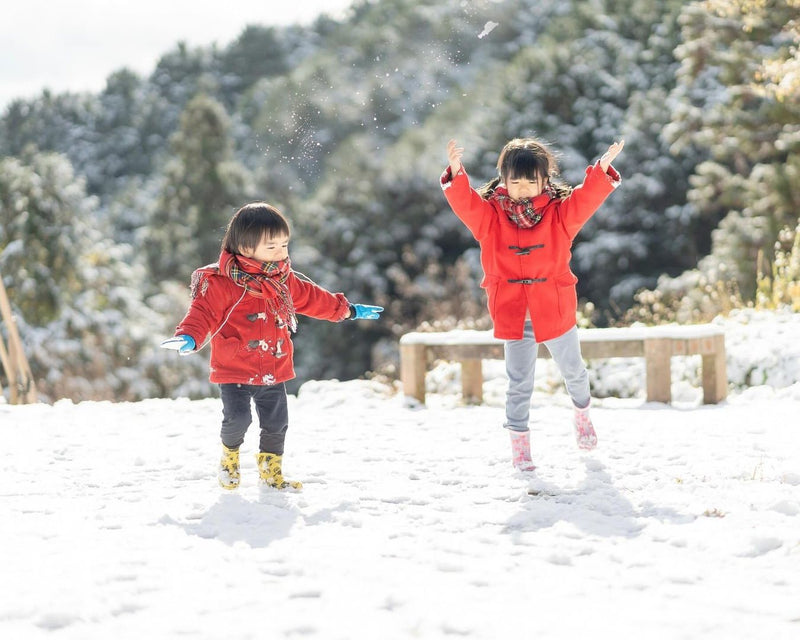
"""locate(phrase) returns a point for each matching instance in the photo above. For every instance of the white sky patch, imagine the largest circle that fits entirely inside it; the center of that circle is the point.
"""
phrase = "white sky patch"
(75, 46)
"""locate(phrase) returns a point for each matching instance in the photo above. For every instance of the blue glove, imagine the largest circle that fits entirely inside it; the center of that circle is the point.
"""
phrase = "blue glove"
(364, 312)
(183, 344)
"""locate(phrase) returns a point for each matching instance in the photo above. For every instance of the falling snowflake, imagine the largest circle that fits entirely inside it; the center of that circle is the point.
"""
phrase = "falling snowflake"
(488, 28)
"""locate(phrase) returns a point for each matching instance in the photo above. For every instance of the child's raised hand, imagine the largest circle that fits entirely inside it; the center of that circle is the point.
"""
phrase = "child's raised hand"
(608, 157)
(454, 154)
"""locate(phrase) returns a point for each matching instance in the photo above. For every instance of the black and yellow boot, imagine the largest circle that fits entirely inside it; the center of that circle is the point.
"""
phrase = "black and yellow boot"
(271, 474)
(228, 474)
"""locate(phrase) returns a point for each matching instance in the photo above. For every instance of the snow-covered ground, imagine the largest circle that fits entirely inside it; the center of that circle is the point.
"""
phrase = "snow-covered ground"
(684, 523)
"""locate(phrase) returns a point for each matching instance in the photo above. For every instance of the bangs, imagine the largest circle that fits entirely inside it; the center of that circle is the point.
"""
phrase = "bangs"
(260, 225)
(253, 223)
(525, 164)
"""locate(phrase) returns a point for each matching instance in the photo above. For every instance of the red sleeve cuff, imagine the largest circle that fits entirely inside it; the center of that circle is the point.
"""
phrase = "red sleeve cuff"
(447, 176)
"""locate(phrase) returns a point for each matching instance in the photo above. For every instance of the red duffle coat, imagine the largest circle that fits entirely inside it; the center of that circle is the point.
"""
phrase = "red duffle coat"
(249, 345)
(526, 271)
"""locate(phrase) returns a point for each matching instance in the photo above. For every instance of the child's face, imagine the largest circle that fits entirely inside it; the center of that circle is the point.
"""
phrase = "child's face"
(521, 188)
(272, 249)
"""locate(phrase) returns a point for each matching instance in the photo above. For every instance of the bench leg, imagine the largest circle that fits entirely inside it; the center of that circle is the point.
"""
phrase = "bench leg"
(472, 381)
(657, 354)
(715, 373)
(413, 365)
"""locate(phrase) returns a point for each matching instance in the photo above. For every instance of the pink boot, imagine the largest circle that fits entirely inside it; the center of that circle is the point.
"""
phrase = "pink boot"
(521, 450)
(584, 430)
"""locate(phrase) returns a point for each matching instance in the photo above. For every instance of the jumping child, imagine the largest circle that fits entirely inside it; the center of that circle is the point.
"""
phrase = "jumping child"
(525, 221)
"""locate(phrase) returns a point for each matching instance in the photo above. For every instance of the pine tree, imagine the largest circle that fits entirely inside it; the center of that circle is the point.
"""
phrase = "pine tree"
(735, 99)
(202, 186)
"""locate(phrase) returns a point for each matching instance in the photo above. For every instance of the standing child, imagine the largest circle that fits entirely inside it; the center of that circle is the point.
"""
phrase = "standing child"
(246, 306)
(525, 222)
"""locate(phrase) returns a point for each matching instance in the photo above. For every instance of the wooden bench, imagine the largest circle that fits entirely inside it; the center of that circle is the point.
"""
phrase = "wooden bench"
(656, 345)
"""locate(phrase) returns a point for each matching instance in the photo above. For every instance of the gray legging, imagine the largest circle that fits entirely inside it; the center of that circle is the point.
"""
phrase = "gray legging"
(521, 366)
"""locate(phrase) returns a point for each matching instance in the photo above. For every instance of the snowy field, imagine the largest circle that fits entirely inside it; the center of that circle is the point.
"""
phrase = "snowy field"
(684, 523)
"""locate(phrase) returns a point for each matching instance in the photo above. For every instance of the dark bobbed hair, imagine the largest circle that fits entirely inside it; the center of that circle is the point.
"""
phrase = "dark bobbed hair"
(530, 159)
(251, 224)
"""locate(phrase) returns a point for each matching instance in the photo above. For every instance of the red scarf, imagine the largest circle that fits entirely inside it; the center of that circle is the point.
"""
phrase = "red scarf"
(521, 212)
(263, 280)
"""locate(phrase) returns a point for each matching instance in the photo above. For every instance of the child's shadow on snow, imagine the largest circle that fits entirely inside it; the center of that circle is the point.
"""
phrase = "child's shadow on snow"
(234, 519)
(595, 506)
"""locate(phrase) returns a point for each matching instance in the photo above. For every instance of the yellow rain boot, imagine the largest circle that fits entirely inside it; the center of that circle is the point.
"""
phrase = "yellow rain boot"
(269, 470)
(228, 474)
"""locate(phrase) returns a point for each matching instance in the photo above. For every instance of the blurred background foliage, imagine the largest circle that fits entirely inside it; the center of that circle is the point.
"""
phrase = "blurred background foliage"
(109, 201)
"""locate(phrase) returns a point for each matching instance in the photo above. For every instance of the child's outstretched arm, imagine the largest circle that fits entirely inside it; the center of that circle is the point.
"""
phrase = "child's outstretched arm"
(466, 203)
(608, 157)
(585, 199)
(316, 302)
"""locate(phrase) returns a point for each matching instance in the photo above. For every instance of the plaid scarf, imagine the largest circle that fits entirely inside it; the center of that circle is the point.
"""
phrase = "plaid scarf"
(263, 280)
(520, 212)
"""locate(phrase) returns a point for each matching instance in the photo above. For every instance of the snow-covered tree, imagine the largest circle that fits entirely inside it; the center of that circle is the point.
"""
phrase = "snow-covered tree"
(77, 293)
(46, 224)
(737, 57)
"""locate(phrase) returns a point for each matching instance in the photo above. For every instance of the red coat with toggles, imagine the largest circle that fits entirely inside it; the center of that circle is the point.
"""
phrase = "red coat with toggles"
(526, 271)
(248, 344)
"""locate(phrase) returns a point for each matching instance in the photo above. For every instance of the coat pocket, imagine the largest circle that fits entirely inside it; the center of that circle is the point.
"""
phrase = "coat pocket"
(491, 284)
(567, 295)
(226, 349)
